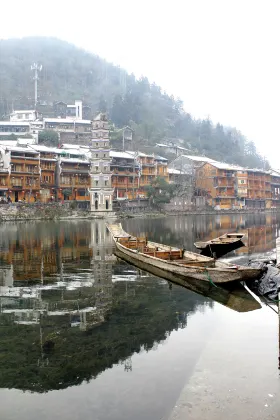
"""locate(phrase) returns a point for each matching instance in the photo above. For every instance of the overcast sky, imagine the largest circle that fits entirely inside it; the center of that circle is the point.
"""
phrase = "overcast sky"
(220, 56)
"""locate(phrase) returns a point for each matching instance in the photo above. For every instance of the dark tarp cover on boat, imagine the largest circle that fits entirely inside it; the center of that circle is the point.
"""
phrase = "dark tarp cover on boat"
(269, 284)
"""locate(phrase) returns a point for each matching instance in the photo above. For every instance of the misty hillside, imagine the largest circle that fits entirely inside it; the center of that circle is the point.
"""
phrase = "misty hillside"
(70, 73)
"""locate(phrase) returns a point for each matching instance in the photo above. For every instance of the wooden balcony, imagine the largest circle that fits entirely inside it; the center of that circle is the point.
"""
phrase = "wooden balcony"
(123, 185)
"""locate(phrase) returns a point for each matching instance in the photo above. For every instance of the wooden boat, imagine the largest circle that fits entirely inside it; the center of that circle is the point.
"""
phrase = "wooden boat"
(221, 245)
(167, 262)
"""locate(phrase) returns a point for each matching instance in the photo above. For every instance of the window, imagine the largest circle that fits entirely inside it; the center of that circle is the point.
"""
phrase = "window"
(97, 144)
(106, 183)
(96, 183)
(82, 193)
(104, 155)
(65, 180)
(96, 155)
(30, 168)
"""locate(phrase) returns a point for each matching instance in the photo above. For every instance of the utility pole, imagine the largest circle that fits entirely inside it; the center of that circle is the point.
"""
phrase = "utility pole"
(36, 67)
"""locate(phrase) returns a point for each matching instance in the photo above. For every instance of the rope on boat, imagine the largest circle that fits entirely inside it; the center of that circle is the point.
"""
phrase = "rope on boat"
(209, 278)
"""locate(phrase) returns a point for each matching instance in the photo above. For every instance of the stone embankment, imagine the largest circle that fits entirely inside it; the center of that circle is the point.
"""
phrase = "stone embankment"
(55, 211)
(37, 211)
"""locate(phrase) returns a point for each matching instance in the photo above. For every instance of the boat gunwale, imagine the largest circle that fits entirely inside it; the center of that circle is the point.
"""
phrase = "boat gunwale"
(226, 269)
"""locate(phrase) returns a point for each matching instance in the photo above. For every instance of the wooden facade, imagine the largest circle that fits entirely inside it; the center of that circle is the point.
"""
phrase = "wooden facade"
(73, 179)
(125, 175)
(24, 180)
(228, 186)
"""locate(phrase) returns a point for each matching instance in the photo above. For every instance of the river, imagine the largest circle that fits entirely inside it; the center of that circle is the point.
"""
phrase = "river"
(86, 336)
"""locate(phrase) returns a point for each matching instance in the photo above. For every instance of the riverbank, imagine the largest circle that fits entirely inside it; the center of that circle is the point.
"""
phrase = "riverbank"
(59, 211)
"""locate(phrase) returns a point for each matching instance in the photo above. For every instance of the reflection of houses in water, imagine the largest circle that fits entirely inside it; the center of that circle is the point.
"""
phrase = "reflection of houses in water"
(36, 258)
(82, 261)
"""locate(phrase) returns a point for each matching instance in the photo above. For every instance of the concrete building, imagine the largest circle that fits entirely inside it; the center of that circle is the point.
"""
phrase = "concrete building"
(101, 191)
(70, 130)
(76, 111)
(24, 115)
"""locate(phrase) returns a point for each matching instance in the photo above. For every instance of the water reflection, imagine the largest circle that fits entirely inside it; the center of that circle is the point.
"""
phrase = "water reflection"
(69, 310)
(261, 230)
(66, 314)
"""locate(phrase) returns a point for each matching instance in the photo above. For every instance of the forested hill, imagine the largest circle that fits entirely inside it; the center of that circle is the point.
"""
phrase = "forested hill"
(70, 73)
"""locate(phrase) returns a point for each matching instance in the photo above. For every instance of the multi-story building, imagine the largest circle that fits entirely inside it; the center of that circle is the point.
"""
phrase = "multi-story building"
(48, 163)
(230, 186)
(24, 115)
(258, 189)
(125, 175)
(16, 128)
(101, 191)
(73, 176)
(162, 167)
(20, 173)
(74, 111)
(218, 181)
(275, 189)
(148, 172)
(74, 131)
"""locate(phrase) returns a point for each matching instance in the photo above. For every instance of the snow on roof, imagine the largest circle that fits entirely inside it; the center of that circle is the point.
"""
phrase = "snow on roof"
(161, 158)
(198, 158)
(70, 160)
(275, 172)
(227, 166)
(15, 123)
(12, 143)
(42, 148)
(124, 155)
(257, 170)
(69, 146)
(174, 171)
(66, 121)
(20, 149)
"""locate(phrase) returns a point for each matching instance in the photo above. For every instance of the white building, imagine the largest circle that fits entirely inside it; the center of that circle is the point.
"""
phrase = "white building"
(24, 115)
(101, 191)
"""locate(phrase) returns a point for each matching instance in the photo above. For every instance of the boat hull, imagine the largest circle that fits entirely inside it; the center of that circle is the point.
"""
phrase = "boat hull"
(220, 274)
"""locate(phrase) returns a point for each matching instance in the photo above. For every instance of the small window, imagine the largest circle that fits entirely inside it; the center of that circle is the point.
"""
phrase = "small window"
(96, 183)
(97, 144)
(106, 183)
(96, 155)
(104, 155)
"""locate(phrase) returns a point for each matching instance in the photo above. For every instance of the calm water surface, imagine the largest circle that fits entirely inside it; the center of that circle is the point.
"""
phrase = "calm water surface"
(84, 336)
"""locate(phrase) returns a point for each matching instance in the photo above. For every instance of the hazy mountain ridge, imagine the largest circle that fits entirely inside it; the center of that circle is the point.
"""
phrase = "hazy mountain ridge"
(71, 73)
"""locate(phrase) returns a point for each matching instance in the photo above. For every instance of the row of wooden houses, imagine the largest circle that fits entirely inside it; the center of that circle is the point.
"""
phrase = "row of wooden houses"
(41, 173)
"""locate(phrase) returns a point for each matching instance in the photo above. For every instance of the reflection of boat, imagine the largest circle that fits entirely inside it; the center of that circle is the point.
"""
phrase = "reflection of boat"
(221, 245)
(169, 261)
